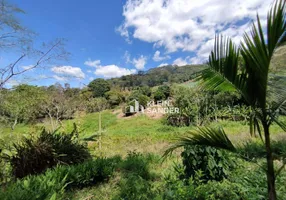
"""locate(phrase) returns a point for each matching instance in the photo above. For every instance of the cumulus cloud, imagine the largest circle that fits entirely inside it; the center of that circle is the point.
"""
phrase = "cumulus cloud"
(140, 62)
(181, 61)
(110, 71)
(68, 71)
(60, 78)
(188, 25)
(92, 63)
(163, 64)
(157, 57)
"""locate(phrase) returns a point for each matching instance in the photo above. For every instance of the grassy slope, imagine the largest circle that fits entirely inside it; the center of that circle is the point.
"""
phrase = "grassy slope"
(121, 135)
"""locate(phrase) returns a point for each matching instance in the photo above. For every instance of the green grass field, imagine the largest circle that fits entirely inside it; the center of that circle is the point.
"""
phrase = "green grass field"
(123, 135)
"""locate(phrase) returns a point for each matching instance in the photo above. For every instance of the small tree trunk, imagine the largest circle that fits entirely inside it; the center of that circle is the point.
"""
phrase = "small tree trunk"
(270, 164)
(99, 129)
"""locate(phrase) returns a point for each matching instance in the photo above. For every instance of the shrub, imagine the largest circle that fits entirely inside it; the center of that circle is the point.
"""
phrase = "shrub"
(214, 164)
(253, 150)
(96, 105)
(53, 183)
(137, 164)
(136, 188)
(177, 120)
(34, 156)
(159, 95)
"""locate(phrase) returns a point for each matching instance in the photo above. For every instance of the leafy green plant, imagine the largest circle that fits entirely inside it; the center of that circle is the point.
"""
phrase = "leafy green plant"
(33, 156)
(137, 164)
(213, 163)
(53, 183)
(250, 79)
(136, 188)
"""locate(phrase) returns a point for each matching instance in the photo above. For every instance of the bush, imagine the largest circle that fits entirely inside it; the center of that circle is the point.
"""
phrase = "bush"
(136, 182)
(213, 163)
(53, 183)
(177, 120)
(254, 150)
(136, 188)
(137, 164)
(96, 105)
(34, 156)
(159, 95)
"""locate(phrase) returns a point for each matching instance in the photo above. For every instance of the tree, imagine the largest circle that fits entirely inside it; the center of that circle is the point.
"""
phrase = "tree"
(165, 89)
(250, 79)
(16, 38)
(99, 86)
(21, 104)
(59, 105)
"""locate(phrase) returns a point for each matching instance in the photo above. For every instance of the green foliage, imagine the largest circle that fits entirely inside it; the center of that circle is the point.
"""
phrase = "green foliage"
(165, 89)
(114, 97)
(159, 95)
(33, 156)
(214, 164)
(145, 90)
(158, 76)
(53, 183)
(255, 149)
(136, 180)
(139, 96)
(21, 104)
(99, 87)
(96, 105)
(137, 164)
(136, 188)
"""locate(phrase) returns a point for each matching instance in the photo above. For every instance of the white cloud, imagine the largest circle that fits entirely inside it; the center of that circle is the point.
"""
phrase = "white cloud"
(158, 58)
(188, 24)
(92, 63)
(163, 64)
(89, 71)
(60, 78)
(13, 82)
(127, 57)
(69, 71)
(140, 62)
(196, 60)
(110, 71)
(91, 78)
(181, 61)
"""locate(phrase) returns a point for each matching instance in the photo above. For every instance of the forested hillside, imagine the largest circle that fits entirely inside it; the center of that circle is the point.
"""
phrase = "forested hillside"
(158, 76)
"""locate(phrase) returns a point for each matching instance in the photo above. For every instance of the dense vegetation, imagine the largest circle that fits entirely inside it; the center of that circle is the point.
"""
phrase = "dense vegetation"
(59, 142)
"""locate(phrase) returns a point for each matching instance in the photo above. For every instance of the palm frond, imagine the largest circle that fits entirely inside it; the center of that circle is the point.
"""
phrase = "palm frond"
(224, 72)
(213, 137)
(276, 26)
(257, 52)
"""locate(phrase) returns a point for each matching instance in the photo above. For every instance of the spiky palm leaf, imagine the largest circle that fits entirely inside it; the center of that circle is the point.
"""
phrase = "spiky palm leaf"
(213, 137)
(250, 79)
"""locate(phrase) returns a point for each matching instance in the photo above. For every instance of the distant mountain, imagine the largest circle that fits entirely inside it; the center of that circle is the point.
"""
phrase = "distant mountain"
(158, 76)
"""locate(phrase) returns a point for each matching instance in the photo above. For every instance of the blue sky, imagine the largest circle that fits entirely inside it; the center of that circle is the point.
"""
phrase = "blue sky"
(110, 38)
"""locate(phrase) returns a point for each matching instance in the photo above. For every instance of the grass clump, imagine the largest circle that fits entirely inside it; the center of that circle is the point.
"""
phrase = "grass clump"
(34, 156)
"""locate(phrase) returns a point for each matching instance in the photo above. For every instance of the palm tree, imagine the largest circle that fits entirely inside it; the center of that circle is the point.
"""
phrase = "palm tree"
(250, 79)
